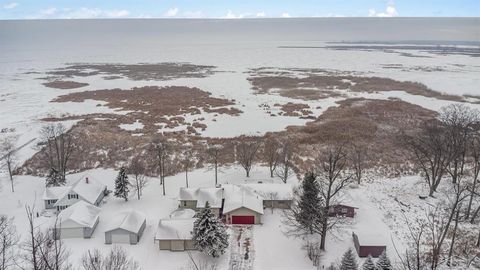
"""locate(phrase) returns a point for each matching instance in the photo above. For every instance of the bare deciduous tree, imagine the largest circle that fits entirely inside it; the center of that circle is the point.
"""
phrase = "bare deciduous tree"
(187, 161)
(116, 259)
(53, 253)
(8, 156)
(214, 154)
(57, 146)
(458, 120)
(8, 242)
(284, 167)
(432, 151)
(139, 181)
(31, 256)
(271, 153)
(246, 151)
(161, 149)
(358, 157)
(332, 179)
(474, 153)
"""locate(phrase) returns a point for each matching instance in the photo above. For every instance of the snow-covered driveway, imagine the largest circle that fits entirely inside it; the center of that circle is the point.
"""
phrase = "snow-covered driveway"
(241, 248)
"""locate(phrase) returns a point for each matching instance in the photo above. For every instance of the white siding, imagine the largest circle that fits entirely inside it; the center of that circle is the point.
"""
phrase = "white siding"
(121, 238)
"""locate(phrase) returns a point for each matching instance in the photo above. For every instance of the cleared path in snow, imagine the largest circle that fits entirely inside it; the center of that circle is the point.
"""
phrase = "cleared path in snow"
(241, 248)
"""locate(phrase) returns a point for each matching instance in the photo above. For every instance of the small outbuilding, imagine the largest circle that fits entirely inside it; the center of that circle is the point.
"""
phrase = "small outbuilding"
(242, 205)
(341, 210)
(127, 228)
(175, 234)
(368, 244)
(77, 221)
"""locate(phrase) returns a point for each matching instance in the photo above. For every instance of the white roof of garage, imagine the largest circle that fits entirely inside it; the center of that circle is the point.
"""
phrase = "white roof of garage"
(130, 221)
(79, 215)
(213, 196)
(237, 196)
(175, 229)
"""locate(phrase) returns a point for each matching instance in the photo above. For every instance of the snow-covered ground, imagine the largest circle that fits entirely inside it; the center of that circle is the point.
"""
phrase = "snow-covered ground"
(269, 247)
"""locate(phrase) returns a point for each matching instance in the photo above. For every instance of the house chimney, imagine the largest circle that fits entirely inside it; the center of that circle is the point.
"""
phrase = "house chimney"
(86, 180)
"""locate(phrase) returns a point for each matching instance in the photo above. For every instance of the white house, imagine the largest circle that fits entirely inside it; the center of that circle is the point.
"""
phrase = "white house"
(87, 190)
(196, 198)
(77, 221)
(126, 227)
(242, 205)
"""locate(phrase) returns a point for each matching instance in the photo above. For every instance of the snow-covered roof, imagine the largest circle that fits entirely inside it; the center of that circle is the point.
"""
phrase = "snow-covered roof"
(371, 238)
(237, 196)
(278, 191)
(213, 196)
(80, 214)
(171, 229)
(54, 193)
(130, 221)
(89, 190)
(182, 213)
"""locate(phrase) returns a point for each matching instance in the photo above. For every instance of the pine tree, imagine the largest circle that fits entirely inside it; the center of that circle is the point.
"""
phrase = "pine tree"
(54, 179)
(209, 233)
(122, 185)
(349, 262)
(310, 204)
(383, 262)
(369, 264)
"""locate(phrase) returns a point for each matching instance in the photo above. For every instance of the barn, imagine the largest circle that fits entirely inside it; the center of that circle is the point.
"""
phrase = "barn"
(175, 234)
(368, 244)
(126, 227)
(77, 221)
(341, 210)
(242, 205)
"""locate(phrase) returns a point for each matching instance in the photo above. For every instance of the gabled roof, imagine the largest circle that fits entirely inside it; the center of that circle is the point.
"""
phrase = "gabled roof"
(89, 192)
(55, 193)
(213, 196)
(80, 214)
(241, 196)
(371, 238)
(172, 229)
(130, 221)
(273, 191)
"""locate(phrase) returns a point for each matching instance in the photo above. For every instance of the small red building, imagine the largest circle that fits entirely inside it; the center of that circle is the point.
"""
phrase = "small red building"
(341, 210)
(368, 245)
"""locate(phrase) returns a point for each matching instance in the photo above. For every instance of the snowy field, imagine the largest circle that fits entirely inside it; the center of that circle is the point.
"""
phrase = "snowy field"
(25, 100)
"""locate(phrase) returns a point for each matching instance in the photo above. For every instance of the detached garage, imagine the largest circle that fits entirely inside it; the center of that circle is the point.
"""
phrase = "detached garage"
(77, 221)
(175, 234)
(126, 228)
(242, 205)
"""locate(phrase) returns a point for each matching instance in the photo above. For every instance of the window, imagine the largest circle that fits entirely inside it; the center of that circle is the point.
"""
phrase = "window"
(72, 196)
(344, 210)
(184, 203)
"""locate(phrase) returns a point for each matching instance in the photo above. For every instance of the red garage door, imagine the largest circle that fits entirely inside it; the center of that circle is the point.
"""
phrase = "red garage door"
(243, 219)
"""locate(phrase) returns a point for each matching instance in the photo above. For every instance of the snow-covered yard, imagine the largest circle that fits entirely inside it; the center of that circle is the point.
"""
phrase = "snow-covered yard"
(269, 247)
